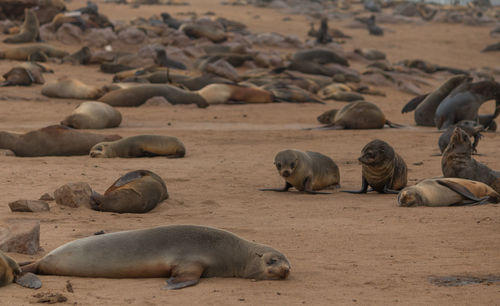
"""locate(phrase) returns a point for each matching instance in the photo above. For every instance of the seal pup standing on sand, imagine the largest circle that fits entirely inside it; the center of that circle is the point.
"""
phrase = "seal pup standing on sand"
(447, 192)
(457, 161)
(10, 272)
(382, 168)
(184, 253)
(29, 31)
(140, 146)
(136, 192)
(306, 171)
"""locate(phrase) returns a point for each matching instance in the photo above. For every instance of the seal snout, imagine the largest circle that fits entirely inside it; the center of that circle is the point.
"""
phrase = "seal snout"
(285, 173)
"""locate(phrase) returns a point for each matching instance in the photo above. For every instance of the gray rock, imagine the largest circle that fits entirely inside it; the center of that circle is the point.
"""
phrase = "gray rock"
(20, 236)
(29, 206)
(73, 194)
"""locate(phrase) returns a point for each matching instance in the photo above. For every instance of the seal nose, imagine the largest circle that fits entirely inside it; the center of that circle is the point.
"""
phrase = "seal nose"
(285, 272)
(286, 173)
(92, 154)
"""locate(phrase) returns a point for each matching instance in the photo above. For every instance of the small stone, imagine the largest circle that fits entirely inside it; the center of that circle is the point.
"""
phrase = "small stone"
(29, 206)
(50, 298)
(20, 236)
(73, 194)
(47, 197)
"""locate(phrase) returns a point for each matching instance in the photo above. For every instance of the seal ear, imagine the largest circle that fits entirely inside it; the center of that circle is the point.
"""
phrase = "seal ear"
(260, 255)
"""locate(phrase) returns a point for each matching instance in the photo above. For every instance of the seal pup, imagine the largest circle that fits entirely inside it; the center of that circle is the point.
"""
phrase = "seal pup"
(464, 101)
(355, 115)
(29, 31)
(447, 192)
(71, 89)
(382, 168)
(140, 146)
(425, 105)
(184, 253)
(25, 53)
(10, 272)
(93, 115)
(457, 161)
(137, 95)
(224, 93)
(306, 171)
(136, 192)
(472, 128)
(54, 140)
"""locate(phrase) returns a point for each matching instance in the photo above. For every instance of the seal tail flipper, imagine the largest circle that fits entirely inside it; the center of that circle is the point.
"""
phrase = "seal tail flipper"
(412, 105)
(326, 127)
(394, 125)
(28, 280)
(463, 191)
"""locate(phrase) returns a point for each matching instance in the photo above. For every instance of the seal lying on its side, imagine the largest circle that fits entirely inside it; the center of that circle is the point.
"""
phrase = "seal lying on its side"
(184, 253)
(447, 192)
(140, 146)
(93, 115)
(71, 89)
(306, 171)
(136, 192)
(382, 168)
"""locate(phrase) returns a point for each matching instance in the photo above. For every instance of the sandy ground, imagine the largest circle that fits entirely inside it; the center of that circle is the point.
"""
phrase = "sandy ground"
(344, 249)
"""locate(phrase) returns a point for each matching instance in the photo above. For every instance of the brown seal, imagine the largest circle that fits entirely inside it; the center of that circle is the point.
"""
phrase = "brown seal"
(355, 115)
(447, 192)
(54, 140)
(140, 146)
(212, 33)
(22, 75)
(136, 192)
(139, 94)
(472, 128)
(71, 89)
(224, 93)
(25, 53)
(93, 115)
(382, 168)
(29, 31)
(10, 272)
(290, 93)
(457, 161)
(306, 171)
(184, 253)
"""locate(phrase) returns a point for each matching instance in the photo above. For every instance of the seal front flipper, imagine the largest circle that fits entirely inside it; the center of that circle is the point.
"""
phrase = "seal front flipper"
(184, 275)
(284, 189)
(308, 187)
(172, 283)
(412, 105)
(387, 190)
(463, 191)
(28, 280)
(364, 188)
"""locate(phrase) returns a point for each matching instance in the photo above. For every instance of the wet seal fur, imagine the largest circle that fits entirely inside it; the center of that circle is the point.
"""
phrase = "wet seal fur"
(137, 95)
(382, 168)
(71, 89)
(29, 31)
(447, 192)
(355, 115)
(136, 192)
(54, 140)
(184, 253)
(306, 171)
(93, 115)
(457, 161)
(140, 146)
(472, 128)
(10, 272)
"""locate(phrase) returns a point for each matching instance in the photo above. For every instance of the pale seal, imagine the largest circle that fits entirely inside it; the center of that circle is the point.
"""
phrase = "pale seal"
(140, 146)
(93, 115)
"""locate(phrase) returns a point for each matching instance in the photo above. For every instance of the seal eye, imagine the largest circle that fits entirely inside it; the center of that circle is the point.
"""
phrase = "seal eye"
(292, 165)
(271, 261)
(98, 148)
(278, 165)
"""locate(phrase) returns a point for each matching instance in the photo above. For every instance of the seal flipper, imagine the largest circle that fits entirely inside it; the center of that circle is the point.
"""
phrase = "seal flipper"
(364, 188)
(284, 189)
(412, 105)
(308, 187)
(463, 191)
(184, 275)
(28, 280)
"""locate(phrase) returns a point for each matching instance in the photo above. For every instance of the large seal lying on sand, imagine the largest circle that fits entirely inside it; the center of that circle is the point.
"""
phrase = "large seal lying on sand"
(93, 115)
(457, 161)
(355, 115)
(447, 192)
(54, 140)
(382, 168)
(140, 146)
(137, 95)
(224, 93)
(11, 272)
(184, 253)
(25, 53)
(136, 192)
(71, 89)
(306, 171)
(29, 31)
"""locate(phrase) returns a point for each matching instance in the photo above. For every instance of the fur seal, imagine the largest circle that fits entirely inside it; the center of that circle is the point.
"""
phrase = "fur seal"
(425, 105)
(24, 53)
(137, 95)
(10, 272)
(136, 192)
(306, 171)
(457, 161)
(54, 140)
(472, 128)
(447, 192)
(198, 30)
(29, 31)
(140, 146)
(464, 101)
(382, 168)
(93, 115)
(184, 253)
(356, 115)
(23, 76)
(71, 89)
(223, 93)
(320, 56)
(290, 93)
